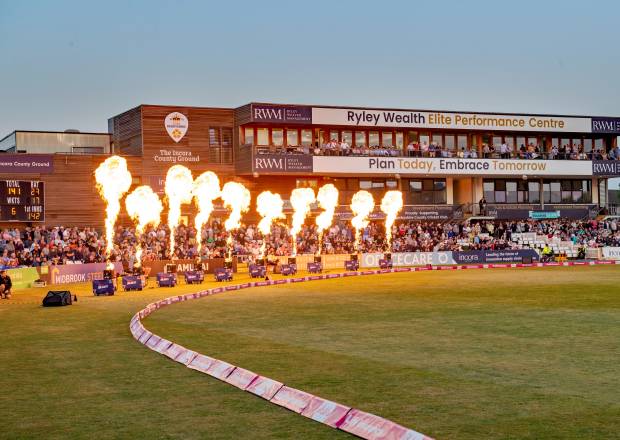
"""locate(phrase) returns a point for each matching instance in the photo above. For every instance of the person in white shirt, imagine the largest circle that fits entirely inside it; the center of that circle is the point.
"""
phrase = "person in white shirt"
(503, 150)
(473, 153)
(344, 148)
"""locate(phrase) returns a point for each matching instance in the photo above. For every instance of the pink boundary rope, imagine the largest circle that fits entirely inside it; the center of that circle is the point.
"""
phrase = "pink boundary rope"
(364, 425)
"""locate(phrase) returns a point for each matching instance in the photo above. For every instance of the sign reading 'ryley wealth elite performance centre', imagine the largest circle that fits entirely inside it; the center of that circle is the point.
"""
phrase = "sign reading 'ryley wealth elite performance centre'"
(448, 120)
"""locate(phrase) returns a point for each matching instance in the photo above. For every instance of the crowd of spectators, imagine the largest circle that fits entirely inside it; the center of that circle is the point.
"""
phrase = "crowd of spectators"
(424, 149)
(36, 246)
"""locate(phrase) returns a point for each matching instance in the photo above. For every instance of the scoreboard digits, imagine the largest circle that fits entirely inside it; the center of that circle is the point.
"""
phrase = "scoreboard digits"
(22, 201)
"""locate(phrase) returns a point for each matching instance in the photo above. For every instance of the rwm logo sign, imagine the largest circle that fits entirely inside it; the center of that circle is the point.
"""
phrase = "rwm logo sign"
(605, 125)
(278, 163)
(606, 168)
(281, 113)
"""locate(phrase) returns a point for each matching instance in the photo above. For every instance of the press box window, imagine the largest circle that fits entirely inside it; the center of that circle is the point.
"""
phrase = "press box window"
(277, 137)
(249, 135)
(292, 138)
(262, 136)
(306, 138)
(427, 192)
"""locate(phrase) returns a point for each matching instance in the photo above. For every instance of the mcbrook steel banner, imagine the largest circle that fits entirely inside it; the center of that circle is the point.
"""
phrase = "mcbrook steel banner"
(450, 166)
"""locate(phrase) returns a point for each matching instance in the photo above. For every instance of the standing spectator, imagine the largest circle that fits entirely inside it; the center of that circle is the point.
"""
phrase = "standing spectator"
(483, 206)
(5, 285)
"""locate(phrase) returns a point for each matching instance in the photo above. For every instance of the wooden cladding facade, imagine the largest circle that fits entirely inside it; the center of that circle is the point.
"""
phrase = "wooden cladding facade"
(71, 197)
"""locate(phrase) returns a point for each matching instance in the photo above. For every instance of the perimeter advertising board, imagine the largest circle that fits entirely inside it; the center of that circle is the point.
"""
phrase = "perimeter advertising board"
(409, 259)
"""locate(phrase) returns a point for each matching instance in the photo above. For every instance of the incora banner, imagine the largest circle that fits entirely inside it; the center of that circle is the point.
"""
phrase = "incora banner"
(420, 165)
(448, 120)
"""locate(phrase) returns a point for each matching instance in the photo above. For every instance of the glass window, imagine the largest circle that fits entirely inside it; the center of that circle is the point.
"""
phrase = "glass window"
(392, 184)
(262, 136)
(565, 142)
(497, 141)
(214, 136)
(511, 192)
(412, 136)
(488, 187)
(437, 139)
(577, 143)
(377, 184)
(400, 139)
(461, 141)
(365, 184)
(373, 138)
(448, 141)
(556, 192)
(307, 183)
(333, 135)
(415, 185)
(598, 144)
(292, 137)
(347, 136)
(533, 192)
(387, 139)
(306, 138)
(439, 185)
(425, 139)
(532, 141)
(555, 142)
(227, 137)
(587, 145)
(360, 138)
(249, 135)
(510, 141)
(277, 137)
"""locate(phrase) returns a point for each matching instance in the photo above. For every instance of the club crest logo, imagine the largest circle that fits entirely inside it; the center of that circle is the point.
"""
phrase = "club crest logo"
(176, 125)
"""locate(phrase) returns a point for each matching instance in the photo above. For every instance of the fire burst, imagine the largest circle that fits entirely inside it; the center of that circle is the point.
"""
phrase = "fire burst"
(301, 199)
(327, 198)
(206, 189)
(236, 197)
(144, 207)
(113, 181)
(362, 205)
(391, 205)
(269, 206)
(178, 191)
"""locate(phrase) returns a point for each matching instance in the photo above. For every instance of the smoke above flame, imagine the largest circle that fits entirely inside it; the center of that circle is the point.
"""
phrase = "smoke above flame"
(269, 205)
(301, 199)
(327, 199)
(144, 207)
(362, 205)
(178, 190)
(113, 181)
(237, 198)
(206, 189)
(391, 204)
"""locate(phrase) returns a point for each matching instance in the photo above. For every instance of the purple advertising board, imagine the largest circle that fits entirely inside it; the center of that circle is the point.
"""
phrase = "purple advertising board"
(606, 167)
(293, 114)
(606, 125)
(410, 212)
(282, 163)
(26, 163)
(78, 273)
(494, 256)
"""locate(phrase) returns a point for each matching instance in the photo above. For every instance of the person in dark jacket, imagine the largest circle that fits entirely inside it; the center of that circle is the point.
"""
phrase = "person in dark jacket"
(5, 285)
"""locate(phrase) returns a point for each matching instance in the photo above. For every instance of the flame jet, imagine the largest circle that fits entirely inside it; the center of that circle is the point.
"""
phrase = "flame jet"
(391, 204)
(327, 198)
(144, 207)
(301, 199)
(362, 205)
(236, 197)
(113, 181)
(179, 182)
(269, 205)
(206, 188)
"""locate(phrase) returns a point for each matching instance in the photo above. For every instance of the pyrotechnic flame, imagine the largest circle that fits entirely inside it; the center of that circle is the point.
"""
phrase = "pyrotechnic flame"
(327, 198)
(362, 205)
(144, 207)
(236, 197)
(269, 205)
(301, 199)
(206, 189)
(391, 204)
(178, 190)
(113, 181)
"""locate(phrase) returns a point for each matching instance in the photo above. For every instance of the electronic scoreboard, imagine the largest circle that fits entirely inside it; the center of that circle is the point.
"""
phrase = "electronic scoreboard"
(22, 201)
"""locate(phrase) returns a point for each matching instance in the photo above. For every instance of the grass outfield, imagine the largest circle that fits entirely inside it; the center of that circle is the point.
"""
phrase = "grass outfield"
(521, 353)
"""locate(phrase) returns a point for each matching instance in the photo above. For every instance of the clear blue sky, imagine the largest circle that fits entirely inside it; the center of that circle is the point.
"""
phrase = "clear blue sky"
(73, 64)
